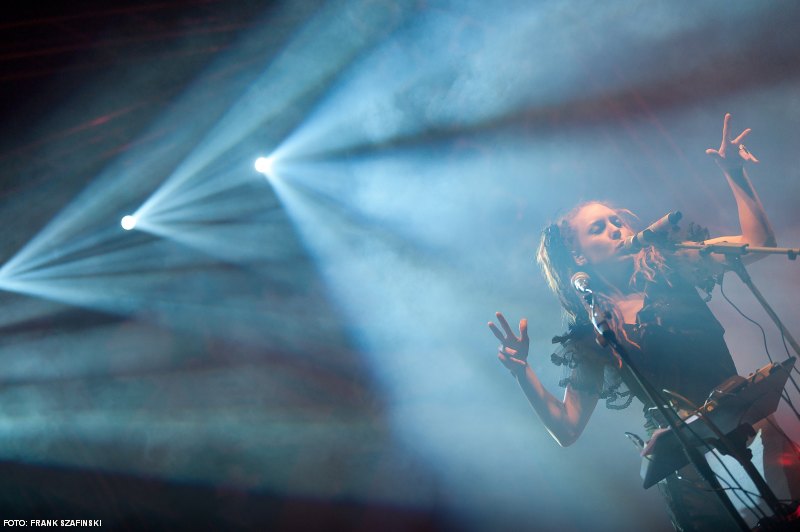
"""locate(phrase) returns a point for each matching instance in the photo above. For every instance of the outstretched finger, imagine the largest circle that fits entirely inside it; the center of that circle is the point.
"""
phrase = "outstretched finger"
(523, 329)
(742, 135)
(496, 332)
(745, 154)
(504, 324)
(725, 129)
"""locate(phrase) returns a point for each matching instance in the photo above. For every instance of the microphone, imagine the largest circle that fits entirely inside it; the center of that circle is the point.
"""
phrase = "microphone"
(580, 282)
(652, 233)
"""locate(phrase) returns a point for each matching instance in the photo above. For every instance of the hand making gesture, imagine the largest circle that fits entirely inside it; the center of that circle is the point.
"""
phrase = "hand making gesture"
(725, 159)
(513, 349)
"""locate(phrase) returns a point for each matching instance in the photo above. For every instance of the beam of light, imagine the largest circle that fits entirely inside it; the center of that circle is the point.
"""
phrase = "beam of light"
(238, 243)
(239, 224)
(443, 194)
(264, 165)
(222, 299)
(85, 221)
(128, 222)
(179, 287)
(92, 242)
(161, 149)
(411, 84)
(306, 62)
(399, 317)
(83, 229)
(287, 78)
(484, 66)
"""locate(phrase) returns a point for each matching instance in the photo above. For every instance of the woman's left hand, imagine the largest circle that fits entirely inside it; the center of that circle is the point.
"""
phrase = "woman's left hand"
(724, 156)
(513, 350)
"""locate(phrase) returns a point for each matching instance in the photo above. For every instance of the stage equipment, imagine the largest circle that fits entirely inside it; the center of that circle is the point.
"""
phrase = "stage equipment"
(729, 413)
(680, 429)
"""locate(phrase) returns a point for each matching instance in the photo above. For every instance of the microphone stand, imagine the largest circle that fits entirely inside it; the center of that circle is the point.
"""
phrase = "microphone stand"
(733, 252)
(607, 337)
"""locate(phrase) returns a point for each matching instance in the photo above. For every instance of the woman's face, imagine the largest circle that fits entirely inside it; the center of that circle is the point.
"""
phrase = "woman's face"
(600, 231)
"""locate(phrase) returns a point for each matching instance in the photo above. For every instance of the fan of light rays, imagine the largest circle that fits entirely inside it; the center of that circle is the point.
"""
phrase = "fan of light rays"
(270, 103)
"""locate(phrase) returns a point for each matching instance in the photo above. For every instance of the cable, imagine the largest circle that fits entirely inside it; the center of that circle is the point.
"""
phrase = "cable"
(760, 514)
(745, 316)
(766, 348)
(733, 489)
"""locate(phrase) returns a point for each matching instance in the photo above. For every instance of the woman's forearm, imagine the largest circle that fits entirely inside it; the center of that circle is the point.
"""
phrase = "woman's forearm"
(756, 228)
(564, 420)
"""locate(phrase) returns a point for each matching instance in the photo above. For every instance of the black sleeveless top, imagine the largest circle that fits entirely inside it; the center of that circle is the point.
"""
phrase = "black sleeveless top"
(679, 346)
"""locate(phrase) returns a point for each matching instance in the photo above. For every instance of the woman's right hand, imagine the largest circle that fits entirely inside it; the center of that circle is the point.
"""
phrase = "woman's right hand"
(725, 159)
(513, 349)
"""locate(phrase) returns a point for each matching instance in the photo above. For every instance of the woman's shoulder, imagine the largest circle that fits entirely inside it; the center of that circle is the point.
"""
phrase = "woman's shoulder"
(588, 368)
(577, 346)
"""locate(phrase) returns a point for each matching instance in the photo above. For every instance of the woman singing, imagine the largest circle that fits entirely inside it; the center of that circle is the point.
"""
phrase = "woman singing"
(659, 317)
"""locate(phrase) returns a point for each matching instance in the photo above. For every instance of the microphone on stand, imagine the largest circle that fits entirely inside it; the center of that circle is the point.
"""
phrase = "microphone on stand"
(652, 233)
(580, 282)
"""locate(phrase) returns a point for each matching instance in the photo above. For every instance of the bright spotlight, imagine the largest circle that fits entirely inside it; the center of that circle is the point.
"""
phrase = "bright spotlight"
(128, 222)
(264, 165)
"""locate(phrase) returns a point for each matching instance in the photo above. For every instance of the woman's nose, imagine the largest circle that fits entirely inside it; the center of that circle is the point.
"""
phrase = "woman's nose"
(616, 234)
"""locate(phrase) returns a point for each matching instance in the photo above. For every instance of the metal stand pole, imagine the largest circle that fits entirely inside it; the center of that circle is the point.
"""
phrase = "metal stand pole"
(673, 420)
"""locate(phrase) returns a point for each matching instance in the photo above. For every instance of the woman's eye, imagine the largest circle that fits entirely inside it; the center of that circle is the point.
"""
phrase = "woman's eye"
(616, 221)
(596, 229)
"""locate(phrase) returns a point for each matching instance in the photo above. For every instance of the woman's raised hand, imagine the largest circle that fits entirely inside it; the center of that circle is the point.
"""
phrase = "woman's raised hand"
(513, 349)
(725, 159)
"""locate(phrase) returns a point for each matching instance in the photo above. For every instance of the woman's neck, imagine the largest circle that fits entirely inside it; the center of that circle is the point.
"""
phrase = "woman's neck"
(616, 276)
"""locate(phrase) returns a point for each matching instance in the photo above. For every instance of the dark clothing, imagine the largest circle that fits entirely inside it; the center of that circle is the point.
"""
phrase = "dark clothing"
(678, 345)
(681, 344)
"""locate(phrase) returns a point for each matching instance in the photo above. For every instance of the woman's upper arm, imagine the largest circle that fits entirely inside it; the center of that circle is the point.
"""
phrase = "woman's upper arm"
(581, 399)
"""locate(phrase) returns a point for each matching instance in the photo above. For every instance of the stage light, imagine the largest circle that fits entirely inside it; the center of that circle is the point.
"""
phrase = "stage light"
(264, 165)
(128, 222)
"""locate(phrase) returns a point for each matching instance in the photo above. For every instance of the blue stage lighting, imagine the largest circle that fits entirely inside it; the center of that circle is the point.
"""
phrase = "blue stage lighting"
(128, 222)
(264, 165)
